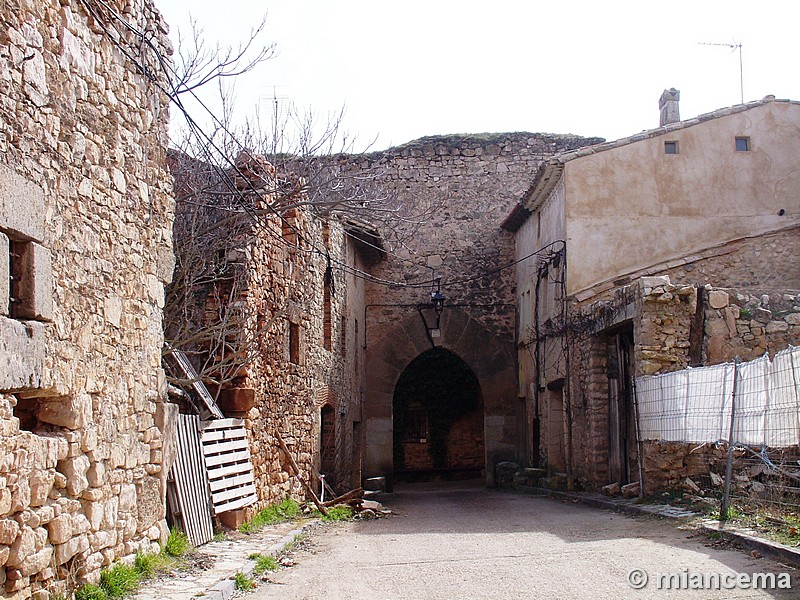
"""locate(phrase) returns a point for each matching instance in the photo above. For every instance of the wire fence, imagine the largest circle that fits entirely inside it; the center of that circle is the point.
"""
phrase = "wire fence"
(728, 434)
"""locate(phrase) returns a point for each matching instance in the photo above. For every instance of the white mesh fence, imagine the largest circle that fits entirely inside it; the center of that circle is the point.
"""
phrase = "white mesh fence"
(695, 405)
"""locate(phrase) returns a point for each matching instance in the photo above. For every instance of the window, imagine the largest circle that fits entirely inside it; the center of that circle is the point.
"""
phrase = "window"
(670, 147)
(415, 424)
(294, 343)
(743, 144)
(327, 324)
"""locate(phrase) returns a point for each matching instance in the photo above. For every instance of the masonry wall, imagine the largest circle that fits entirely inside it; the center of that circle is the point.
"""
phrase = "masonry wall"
(290, 282)
(85, 223)
(736, 300)
(454, 192)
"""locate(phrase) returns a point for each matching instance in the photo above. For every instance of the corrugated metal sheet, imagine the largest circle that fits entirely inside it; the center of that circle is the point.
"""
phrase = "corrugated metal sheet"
(227, 458)
(188, 492)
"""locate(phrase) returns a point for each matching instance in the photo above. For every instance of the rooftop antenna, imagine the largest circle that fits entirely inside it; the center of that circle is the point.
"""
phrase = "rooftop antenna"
(733, 46)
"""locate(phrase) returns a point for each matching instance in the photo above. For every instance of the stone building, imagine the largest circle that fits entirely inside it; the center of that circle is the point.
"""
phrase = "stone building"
(452, 192)
(85, 249)
(629, 242)
(267, 302)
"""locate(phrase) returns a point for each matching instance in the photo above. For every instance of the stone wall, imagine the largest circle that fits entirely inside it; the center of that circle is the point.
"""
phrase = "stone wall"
(277, 318)
(738, 300)
(453, 192)
(86, 209)
(287, 286)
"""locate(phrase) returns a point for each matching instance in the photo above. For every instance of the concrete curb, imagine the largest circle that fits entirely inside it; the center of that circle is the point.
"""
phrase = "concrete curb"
(767, 548)
(226, 587)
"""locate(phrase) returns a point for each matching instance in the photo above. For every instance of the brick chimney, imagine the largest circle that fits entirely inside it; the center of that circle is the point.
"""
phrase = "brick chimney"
(668, 105)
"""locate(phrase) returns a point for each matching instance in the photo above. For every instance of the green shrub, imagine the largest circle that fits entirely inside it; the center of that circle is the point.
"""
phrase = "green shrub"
(119, 581)
(91, 592)
(339, 513)
(264, 564)
(177, 543)
(243, 582)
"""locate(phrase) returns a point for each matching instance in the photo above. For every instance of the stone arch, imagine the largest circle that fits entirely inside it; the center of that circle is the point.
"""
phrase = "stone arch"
(482, 338)
(438, 419)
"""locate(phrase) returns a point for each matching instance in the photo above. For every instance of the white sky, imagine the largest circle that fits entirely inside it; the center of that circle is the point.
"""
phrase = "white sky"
(407, 69)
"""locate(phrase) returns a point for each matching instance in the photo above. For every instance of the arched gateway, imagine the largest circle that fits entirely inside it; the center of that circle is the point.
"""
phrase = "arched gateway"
(398, 343)
(438, 419)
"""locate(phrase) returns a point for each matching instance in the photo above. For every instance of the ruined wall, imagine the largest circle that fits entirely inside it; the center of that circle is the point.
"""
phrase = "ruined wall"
(691, 321)
(454, 192)
(86, 207)
(292, 385)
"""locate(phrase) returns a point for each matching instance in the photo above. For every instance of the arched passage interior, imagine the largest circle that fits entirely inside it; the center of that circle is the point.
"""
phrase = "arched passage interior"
(438, 416)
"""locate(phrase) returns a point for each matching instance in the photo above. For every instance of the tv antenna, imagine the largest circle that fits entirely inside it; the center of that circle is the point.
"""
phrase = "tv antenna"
(733, 46)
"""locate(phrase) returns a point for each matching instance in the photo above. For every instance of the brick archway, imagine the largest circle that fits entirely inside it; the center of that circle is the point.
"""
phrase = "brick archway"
(398, 338)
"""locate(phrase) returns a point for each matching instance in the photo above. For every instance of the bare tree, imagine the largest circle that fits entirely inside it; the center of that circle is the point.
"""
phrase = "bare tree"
(233, 185)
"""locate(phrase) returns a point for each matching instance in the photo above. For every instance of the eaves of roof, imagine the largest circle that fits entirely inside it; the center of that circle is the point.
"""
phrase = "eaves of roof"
(549, 172)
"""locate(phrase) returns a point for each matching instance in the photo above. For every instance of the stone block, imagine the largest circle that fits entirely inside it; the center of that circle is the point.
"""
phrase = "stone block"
(37, 561)
(41, 482)
(22, 206)
(60, 529)
(22, 548)
(718, 299)
(74, 469)
(777, 326)
(9, 529)
(71, 412)
(63, 552)
(36, 287)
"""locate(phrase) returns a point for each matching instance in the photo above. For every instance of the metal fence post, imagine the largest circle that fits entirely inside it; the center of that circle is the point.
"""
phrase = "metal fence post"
(639, 441)
(726, 493)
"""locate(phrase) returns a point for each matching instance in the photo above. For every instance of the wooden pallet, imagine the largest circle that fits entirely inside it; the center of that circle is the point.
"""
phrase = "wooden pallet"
(227, 458)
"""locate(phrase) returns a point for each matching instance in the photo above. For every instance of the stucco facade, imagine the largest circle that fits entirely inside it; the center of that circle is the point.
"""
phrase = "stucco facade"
(712, 201)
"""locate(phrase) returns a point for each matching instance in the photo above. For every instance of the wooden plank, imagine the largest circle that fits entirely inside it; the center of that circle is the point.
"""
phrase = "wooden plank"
(188, 371)
(229, 482)
(221, 435)
(237, 504)
(240, 492)
(225, 448)
(230, 470)
(297, 474)
(224, 459)
(222, 424)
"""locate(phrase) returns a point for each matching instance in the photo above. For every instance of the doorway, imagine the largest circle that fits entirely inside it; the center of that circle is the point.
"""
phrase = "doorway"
(438, 422)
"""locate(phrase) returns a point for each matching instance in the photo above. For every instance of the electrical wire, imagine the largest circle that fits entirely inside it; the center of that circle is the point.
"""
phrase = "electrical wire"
(207, 145)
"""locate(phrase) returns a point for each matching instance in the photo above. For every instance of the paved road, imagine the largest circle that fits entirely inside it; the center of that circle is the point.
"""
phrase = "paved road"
(461, 541)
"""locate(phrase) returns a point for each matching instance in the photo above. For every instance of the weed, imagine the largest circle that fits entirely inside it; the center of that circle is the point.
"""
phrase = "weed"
(150, 564)
(243, 582)
(296, 541)
(177, 543)
(91, 592)
(119, 581)
(264, 563)
(220, 536)
(339, 513)
(274, 513)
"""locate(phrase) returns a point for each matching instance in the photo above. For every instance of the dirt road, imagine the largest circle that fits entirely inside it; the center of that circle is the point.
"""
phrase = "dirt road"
(463, 541)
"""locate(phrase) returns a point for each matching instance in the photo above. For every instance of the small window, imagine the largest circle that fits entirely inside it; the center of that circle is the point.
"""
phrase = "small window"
(415, 424)
(743, 144)
(16, 307)
(294, 343)
(670, 147)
